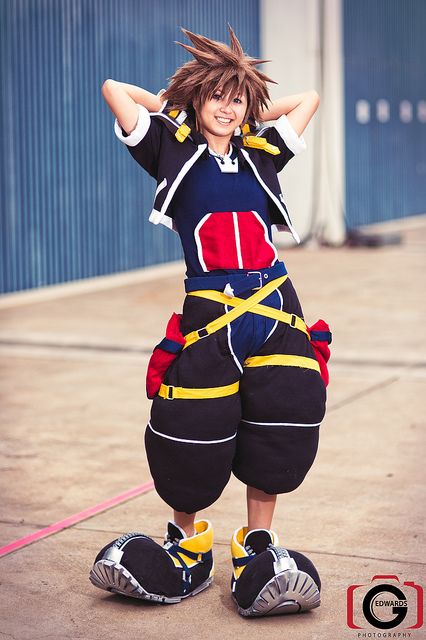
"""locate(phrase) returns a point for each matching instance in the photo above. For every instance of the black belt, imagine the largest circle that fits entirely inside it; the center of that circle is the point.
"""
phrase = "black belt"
(238, 282)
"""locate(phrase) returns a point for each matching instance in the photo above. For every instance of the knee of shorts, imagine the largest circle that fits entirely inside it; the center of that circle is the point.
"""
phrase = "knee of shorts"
(274, 459)
(189, 476)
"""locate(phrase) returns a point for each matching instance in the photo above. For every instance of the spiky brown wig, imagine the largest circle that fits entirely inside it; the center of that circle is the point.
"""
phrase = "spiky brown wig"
(217, 66)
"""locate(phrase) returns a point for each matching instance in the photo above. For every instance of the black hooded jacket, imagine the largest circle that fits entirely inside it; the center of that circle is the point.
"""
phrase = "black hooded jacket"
(153, 144)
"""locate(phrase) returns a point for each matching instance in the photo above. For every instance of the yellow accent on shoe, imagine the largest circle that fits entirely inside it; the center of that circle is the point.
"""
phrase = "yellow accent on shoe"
(182, 133)
(238, 550)
(255, 142)
(283, 360)
(200, 542)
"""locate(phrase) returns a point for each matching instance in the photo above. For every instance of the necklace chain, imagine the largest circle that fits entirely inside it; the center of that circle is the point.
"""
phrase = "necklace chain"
(220, 155)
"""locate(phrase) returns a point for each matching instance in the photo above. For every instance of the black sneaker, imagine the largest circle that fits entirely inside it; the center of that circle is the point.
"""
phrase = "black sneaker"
(268, 579)
(136, 566)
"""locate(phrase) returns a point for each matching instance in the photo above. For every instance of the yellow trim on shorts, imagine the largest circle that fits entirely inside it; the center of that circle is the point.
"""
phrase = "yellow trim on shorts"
(283, 360)
(168, 392)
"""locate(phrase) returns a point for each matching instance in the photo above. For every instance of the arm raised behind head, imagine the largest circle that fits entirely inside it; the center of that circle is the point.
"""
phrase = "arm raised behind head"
(123, 99)
(299, 109)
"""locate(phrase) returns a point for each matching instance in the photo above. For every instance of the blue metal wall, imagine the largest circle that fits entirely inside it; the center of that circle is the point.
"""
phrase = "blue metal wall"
(385, 53)
(74, 203)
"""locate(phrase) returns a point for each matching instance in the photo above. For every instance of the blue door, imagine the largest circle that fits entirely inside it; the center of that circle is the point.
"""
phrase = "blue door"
(385, 109)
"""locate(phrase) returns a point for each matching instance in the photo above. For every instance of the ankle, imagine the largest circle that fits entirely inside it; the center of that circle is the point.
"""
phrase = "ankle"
(186, 522)
(189, 530)
(263, 526)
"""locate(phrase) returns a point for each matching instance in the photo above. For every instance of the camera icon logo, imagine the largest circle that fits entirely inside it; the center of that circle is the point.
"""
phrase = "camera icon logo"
(384, 605)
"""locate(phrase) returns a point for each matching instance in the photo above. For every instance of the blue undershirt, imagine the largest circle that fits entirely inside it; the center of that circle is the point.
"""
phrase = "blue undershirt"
(206, 189)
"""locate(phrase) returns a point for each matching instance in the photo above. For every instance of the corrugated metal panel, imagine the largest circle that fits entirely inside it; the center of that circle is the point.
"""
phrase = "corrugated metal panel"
(73, 202)
(385, 109)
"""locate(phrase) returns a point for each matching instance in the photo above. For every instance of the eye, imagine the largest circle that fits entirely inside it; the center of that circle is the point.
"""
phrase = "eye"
(216, 96)
(238, 100)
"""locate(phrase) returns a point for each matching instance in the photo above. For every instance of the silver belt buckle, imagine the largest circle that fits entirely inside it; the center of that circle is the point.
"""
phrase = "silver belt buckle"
(258, 273)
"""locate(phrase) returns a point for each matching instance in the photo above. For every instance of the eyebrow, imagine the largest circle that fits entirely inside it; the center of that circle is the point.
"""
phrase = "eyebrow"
(220, 92)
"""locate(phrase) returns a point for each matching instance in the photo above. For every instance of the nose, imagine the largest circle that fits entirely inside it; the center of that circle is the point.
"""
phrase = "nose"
(226, 108)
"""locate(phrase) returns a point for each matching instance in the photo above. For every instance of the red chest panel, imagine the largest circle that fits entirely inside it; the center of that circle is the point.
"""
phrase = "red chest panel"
(233, 240)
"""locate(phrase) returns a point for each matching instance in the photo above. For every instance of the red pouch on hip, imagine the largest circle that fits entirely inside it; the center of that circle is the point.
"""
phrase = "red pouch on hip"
(320, 339)
(163, 355)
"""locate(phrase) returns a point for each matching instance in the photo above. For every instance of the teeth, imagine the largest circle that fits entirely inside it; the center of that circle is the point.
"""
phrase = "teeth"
(223, 120)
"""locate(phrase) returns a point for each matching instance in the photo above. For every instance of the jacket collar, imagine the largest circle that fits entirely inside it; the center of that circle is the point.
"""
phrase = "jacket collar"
(195, 136)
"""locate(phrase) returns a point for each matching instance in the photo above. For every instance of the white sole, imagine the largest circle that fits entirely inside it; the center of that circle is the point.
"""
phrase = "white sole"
(291, 591)
(112, 576)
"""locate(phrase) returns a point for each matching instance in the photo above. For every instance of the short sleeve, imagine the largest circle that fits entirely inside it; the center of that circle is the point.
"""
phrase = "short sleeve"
(143, 143)
(282, 135)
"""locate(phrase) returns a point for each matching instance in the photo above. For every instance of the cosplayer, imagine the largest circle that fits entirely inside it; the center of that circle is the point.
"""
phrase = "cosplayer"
(238, 382)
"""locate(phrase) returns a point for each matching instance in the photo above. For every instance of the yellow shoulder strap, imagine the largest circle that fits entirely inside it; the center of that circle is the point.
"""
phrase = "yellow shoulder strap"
(183, 132)
(255, 142)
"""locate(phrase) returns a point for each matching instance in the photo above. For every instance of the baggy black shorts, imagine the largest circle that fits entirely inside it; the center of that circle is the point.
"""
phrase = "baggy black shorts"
(266, 433)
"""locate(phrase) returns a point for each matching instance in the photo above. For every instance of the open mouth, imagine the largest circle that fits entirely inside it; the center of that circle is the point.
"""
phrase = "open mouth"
(223, 120)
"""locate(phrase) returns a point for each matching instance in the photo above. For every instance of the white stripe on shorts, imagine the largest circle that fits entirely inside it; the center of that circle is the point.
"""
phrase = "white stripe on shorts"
(163, 435)
(283, 424)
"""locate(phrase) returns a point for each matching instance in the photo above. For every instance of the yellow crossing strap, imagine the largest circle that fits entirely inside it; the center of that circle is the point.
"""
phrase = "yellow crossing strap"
(282, 360)
(235, 313)
(169, 392)
(260, 309)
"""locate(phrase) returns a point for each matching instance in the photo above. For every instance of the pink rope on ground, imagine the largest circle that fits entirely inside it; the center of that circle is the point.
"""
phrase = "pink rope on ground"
(77, 517)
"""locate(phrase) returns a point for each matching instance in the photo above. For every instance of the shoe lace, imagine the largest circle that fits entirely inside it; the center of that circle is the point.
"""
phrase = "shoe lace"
(125, 537)
(170, 541)
(249, 550)
(280, 552)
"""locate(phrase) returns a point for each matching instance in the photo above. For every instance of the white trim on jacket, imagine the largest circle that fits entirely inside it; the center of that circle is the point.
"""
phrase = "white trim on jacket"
(160, 216)
(139, 132)
(295, 143)
(272, 196)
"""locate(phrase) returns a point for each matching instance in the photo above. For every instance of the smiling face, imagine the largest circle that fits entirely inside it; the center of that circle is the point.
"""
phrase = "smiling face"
(220, 115)
(217, 67)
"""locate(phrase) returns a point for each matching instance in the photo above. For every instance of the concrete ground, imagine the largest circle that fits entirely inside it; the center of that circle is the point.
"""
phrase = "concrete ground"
(73, 417)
